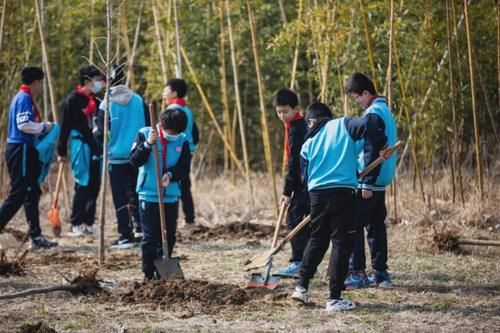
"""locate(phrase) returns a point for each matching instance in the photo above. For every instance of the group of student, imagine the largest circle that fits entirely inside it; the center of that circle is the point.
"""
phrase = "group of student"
(324, 158)
(79, 142)
(324, 155)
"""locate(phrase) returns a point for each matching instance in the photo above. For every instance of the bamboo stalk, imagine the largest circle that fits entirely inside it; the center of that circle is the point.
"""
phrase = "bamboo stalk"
(2, 21)
(282, 11)
(104, 173)
(178, 68)
(368, 44)
(45, 58)
(158, 39)
(389, 100)
(296, 51)
(134, 45)
(238, 105)
(210, 111)
(92, 32)
(260, 86)
(473, 93)
(484, 89)
(453, 108)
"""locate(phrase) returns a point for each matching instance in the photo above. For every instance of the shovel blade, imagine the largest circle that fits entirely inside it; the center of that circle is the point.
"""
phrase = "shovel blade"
(258, 281)
(259, 260)
(169, 268)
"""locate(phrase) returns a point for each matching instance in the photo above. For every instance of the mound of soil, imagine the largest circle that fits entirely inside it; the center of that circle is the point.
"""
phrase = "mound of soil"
(40, 327)
(232, 231)
(446, 239)
(205, 296)
(18, 234)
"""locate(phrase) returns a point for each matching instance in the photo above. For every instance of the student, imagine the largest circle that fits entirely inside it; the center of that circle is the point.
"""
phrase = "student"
(127, 115)
(329, 165)
(21, 157)
(77, 125)
(370, 199)
(174, 97)
(175, 160)
(295, 194)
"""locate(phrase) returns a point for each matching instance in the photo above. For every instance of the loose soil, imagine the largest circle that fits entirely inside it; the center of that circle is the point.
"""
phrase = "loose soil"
(232, 231)
(40, 327)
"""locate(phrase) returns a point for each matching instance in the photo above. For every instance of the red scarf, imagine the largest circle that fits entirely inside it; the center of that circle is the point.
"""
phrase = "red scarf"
(91, 109)
(164, 143)
(370, 101)
(177, 100)
(287, 128)
(27, 90)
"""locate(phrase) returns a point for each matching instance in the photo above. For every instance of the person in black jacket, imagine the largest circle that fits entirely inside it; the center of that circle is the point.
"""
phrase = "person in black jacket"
(295, 194)
(78, 118)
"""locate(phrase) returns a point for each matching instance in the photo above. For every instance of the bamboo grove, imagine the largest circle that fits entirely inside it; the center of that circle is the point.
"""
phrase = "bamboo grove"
(437, 61)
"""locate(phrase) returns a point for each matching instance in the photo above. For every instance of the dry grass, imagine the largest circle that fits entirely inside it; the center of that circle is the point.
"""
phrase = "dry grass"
(433, 292)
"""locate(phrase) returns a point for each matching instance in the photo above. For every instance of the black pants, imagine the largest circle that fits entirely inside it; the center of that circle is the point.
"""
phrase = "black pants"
(370, 214)
(187, 199)
(123, 179)
(298, 209)
(24, 169)
(85, 197)
(332, 219)
(151, 229)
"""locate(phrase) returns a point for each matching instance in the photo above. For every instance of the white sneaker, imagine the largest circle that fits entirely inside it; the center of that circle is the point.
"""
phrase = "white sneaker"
(89, 230)
(300, 295)
(339, 305)
(76, 231)
(138, 235)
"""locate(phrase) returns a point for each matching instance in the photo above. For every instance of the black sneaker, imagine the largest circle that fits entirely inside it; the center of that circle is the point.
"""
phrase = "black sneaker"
(41, 242)
(123, 243)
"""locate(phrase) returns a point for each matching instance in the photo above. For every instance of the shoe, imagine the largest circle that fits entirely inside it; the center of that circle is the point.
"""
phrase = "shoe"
(381, 279)
(189, 225)
(357, 280)
(300, 295)
(291, 271)
(41, 242)
(76, 231)
(89, 230)
(123, 243)
(339, 304)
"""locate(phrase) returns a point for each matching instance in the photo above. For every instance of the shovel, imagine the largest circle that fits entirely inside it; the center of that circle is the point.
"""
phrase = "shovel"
(263, 259)
(53, 214)
(267, 280)
(167, 266)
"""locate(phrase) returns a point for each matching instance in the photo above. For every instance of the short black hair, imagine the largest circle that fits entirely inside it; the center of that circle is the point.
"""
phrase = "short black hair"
(174, 119)
(117, 75)
(318, 110)
(29, 74)
(87, 73)
(359, 82)
(285, 97)
(179, 86)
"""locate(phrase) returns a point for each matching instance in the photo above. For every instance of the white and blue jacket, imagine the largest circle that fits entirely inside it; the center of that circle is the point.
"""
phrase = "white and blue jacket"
(178, 162)
(329, 154)
(127, 116)
(379, 113)
(191, 130)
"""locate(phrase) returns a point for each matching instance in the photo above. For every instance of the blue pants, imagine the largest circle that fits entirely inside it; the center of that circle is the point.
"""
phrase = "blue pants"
(151, 230)
(123, 179)
(24, 169)
(370, 214)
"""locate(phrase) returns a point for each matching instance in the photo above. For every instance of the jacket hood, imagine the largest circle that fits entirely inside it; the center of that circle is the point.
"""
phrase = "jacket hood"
(121, 94)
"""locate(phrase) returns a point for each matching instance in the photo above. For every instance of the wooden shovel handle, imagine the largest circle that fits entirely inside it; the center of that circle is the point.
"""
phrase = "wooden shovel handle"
(278, 224)
(158, 180)
(58, 184)
(379, 160)
(292, 234)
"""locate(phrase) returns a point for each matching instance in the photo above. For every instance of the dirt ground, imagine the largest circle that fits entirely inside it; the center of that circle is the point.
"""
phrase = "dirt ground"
(432, 292)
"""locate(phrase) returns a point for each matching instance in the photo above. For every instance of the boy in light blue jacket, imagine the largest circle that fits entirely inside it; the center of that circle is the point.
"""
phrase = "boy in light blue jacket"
(175, 160)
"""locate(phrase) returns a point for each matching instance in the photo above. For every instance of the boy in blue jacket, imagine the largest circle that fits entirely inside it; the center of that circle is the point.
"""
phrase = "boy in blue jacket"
(127, 115)
(329, 165)
(370, 199)
(174, 97)
(175, 160)
(22, 158)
